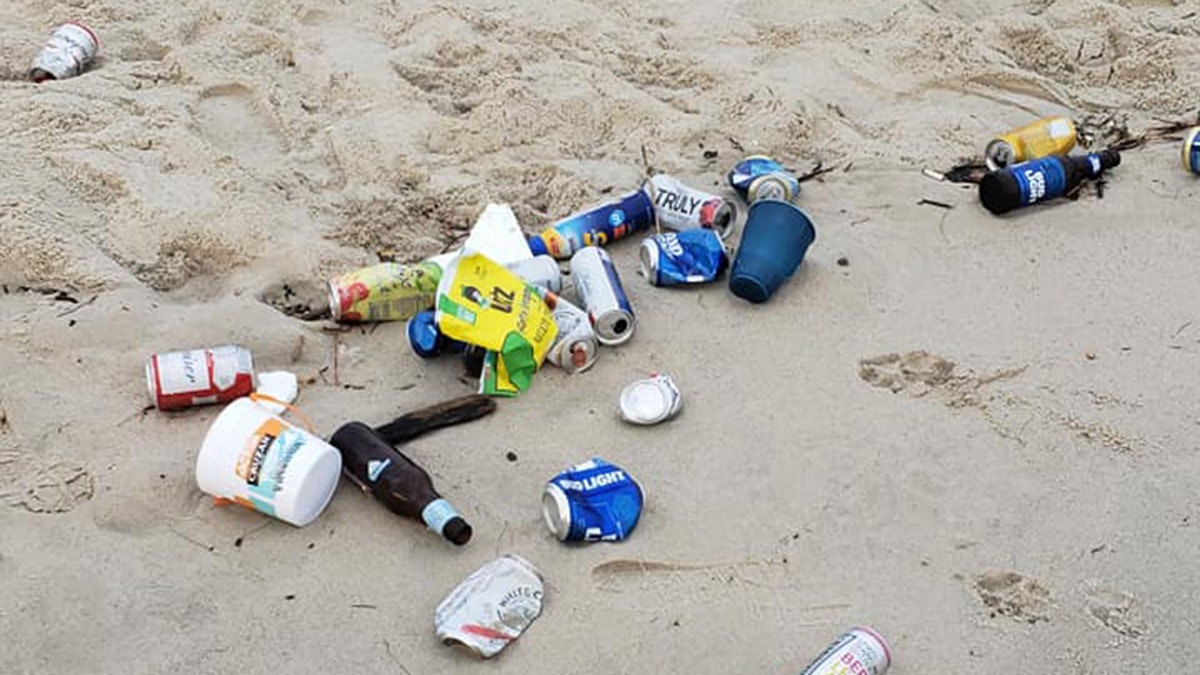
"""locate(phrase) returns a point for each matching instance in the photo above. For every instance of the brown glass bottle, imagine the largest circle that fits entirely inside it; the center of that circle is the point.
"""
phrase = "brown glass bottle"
(403, 486)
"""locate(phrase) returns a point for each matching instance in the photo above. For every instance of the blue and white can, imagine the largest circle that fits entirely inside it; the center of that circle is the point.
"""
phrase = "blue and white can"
(688, 257)
(600, 291)
(593, 501)
(1191, 151)
(760, 177)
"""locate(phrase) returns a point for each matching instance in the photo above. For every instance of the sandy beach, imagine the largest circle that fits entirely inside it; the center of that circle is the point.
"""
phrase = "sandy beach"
(975, 434)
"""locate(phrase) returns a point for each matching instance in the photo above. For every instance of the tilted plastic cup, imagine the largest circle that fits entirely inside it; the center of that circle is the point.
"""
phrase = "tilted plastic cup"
(774, 241)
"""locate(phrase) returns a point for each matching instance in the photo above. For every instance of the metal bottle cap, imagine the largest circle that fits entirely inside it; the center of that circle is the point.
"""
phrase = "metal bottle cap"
(647, 402)
(557, 511)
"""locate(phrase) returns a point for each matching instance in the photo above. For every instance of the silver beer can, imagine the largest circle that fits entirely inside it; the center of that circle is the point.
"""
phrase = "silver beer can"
(70, 49)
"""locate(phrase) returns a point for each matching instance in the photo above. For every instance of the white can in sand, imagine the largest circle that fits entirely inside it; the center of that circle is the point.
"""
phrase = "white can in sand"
(264, 463)
(70, 49)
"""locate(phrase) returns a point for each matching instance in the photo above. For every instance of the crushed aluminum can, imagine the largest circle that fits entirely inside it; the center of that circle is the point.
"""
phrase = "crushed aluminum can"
(681, 208)
(70, 49)
(677, 259)
(600, 290)
(1191, 151)
(178, 380)
(760, 177)
(593, 501)
(492, 607)
(541, 271)
(651, 401)
(860, 651)
(576, 347)
(384, 292)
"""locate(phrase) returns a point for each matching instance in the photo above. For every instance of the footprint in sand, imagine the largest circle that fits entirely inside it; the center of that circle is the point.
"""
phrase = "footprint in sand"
(920, 373)
(1119, 612)
(230, 120)
(303, 299)
(58, 487)
(1013, 595)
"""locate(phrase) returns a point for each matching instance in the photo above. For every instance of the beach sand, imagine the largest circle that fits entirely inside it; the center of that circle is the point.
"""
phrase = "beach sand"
(977, 435)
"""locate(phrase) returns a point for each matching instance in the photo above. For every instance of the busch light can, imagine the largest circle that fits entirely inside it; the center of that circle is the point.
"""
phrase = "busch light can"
(603, 297)
(1191, 151)
(760, 177)
(680, 208)
(541, 271)
(677, 259)
(199, 377)
(860, 651)
(427, 341)
(593, 501)
(492, 607)
(597, 226)
(70, 49)
(575, 348)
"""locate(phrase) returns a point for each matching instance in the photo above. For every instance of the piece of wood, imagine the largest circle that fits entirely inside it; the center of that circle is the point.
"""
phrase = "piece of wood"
(445, 414)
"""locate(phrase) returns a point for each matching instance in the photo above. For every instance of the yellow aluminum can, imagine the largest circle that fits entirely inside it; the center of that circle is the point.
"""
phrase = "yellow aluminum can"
(1045, 137)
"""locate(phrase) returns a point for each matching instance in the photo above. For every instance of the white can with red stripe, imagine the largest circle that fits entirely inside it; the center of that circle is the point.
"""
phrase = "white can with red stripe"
(860, 651)
(199, 377)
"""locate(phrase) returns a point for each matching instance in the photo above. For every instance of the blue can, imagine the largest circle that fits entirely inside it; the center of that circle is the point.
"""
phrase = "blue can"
(1191, 151)
(593, 501)
(681, 258)
(760, 177)
(427, 341)
(597, 226)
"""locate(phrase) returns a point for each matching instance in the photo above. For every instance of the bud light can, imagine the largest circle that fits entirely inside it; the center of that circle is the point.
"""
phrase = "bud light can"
(429, 342)
(184, 379)
(603, 297)
(760, 177)
(689, 257)
(598, 226)
(593, 501)
(70, 49)
(860, 651)
(1191, 151)
(680, 208)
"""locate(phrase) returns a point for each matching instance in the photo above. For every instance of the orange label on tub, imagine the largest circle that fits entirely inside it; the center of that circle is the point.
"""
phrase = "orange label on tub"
(250, 463)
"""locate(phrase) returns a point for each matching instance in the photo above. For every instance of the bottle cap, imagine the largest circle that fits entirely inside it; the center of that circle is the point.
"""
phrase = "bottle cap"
(457, 531)
(647, 402)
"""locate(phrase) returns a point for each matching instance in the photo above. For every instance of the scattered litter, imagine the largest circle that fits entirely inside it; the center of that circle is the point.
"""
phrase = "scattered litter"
(601, 224)
(71, 49)
(492, 607)
(650, 401)
(1043, 138)
(681, 208)
(194, 377)
(1042, 180)
(684, 258)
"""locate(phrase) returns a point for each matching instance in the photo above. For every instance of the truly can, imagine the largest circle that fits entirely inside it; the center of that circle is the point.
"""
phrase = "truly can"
(1045, 137)
(427, 341)
(492, 607)
(178, 380)
(860, 651)
(648, 402)
(679, 207)
(676, 259)
(597, 226)
(760, 177)
(384, 292)
(70, 49)
(1191, 151)
(602, 295)
(541, 271)
(576, 347)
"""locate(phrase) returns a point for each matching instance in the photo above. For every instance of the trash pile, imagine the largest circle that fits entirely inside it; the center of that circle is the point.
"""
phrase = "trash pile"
(501, 303)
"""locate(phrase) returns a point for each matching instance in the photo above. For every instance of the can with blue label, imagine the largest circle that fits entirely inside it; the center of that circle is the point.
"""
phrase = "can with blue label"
(1191, 151)
(427, 341)
(688, 257)
(597, 226)
(593, 501)
(760, 177)
(600, 290)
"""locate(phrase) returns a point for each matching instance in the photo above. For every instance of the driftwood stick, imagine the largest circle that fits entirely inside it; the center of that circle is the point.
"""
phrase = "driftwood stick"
(444, 414)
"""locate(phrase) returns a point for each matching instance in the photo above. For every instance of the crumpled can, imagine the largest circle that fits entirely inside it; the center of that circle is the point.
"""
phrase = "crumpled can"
(492, 607)
(593, 501)
(688, 257)
(576, 347)
(648, 402)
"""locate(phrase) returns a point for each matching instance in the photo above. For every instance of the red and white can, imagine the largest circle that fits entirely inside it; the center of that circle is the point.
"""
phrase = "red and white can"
(860, 651)
(70, 49)
(199, 377)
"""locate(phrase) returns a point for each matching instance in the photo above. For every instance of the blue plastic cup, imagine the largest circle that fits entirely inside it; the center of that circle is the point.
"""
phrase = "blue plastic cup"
(776, 237)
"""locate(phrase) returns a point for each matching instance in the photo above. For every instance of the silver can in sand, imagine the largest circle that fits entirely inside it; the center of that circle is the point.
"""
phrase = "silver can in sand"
(492, 607)
(600, 290)
(70, 49)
